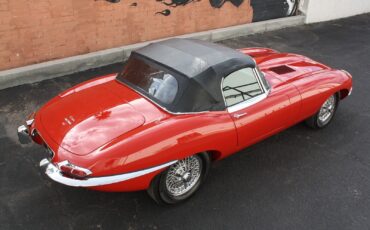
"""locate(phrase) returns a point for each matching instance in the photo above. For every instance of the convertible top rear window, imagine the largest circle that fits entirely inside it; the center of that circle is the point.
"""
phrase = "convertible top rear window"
(183, 75)
(155, 82)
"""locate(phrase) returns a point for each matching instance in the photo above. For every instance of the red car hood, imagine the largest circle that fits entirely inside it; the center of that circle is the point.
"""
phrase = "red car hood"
(82, 121)
(283, 67)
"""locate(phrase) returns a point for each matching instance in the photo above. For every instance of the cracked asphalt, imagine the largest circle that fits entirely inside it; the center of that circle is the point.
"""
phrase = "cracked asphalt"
(298, 179)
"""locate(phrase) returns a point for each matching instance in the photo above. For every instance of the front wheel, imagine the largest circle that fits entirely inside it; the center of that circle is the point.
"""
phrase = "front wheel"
(181, 180)
(326, 113)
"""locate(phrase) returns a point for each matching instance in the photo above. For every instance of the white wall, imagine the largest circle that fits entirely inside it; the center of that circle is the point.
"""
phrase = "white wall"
(324, 10)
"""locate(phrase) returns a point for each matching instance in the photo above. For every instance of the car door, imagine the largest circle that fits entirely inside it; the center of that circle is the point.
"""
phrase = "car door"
(257, 110)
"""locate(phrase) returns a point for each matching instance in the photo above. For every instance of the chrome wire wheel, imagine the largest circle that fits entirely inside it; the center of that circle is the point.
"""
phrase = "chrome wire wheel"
(183, 176)
(181, 180)
(327, 111)
(323, 117)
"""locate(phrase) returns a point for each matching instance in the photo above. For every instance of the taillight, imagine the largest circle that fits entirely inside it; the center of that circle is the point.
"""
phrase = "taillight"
(73, 170)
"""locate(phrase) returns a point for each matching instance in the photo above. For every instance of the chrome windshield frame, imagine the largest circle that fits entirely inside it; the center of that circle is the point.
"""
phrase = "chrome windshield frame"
(249, 102)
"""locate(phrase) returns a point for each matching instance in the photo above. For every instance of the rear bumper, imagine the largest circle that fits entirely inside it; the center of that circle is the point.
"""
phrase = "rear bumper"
(350, 91)
(23, 135)
(53, 172)
(23, 131)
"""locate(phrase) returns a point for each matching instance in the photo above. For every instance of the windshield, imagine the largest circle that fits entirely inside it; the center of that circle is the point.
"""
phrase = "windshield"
(147, 77)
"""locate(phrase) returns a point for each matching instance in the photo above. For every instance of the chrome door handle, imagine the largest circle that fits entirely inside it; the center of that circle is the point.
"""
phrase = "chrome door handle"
(239, 115)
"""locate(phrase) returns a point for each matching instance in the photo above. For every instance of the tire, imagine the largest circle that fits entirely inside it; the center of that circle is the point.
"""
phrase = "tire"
(325, 114)
(169, 187)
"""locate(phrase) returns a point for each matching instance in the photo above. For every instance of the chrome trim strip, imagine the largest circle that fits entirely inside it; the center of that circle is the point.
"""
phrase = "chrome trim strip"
(246, 103)
(30, 122)
(350, 91)
(258, 73)
(346, 72)
(222, 91)
(258, 77)
(55, 174)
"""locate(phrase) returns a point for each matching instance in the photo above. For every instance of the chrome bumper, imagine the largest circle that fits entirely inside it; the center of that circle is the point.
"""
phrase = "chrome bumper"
(53, 172)
(350, 91)
(23, 136)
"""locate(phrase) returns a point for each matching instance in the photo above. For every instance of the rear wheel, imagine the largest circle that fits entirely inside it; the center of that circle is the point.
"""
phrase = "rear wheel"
(326, 113)
(181, 180)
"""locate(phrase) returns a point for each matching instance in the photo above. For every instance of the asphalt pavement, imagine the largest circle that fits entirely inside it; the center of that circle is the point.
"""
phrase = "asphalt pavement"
(298, 179)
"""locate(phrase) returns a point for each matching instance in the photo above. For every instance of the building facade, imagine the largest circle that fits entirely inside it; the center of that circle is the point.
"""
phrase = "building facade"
(34, 31)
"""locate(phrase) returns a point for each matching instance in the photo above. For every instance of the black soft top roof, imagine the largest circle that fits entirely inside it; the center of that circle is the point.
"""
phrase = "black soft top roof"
(192, 57)
(203, 63)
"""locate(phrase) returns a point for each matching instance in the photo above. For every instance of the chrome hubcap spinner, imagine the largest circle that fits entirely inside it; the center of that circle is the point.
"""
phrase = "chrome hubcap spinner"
(183, 176)
(327, 110)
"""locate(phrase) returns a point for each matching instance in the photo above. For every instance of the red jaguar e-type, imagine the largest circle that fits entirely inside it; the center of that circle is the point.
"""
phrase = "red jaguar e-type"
(177, 106)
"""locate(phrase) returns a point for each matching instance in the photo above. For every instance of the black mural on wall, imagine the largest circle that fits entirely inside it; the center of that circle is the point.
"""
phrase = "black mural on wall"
(220, 3)
(165, 12)
(262, 9)
(175, 3)
(112, 1)
(271, 9)
(214, 3)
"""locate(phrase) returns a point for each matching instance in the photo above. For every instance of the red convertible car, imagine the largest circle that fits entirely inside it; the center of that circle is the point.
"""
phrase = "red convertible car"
(177, 106)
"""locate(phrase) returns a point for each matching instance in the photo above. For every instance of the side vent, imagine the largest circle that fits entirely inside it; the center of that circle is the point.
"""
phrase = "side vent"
(282, 69)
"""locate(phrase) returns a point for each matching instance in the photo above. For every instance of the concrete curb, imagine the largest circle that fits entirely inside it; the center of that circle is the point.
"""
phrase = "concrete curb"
(61, 67)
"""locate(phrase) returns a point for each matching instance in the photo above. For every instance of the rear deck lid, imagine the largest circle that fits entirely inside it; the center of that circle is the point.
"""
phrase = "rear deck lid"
(82, 122)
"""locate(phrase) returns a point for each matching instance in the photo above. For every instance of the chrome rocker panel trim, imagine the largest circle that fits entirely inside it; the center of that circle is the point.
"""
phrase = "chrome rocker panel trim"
(55, 174)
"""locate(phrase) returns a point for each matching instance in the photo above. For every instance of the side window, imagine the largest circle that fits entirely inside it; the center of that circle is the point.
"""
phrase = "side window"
(240, 86)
